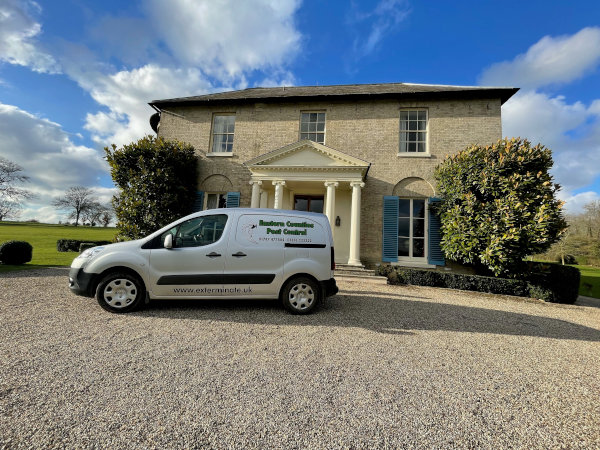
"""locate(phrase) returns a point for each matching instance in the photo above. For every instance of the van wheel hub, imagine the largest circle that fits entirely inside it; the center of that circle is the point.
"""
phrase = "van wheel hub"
(301, 296)
(120, 293)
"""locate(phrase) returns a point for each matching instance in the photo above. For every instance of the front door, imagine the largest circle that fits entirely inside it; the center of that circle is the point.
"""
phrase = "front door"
(194, 266)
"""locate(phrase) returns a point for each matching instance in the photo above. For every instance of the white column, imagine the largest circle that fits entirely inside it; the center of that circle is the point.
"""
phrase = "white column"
(255, 203)
(264, 199)
(330, 205)
(278, 194)
(354, 257)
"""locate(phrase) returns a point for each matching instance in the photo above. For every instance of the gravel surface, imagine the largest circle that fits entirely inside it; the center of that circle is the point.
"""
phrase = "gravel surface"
(377, 366)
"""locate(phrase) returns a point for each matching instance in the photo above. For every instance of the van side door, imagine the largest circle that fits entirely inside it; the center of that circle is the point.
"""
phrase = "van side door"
(254, 260)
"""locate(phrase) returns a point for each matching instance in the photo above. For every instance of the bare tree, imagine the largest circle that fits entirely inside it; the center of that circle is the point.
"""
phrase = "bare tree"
(11, 195)
(78, 200)
(93, 213)
(9, 209)
(106, 218)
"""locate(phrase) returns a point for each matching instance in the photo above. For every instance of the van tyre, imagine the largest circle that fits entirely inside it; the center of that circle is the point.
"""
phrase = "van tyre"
(301, 295)
(120, 292)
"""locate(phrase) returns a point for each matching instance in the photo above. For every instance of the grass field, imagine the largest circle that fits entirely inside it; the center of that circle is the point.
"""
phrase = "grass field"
(590, 281)
(43, 238)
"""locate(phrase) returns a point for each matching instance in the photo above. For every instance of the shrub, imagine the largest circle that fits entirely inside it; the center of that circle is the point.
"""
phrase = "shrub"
(545, 281)
(498, 205)
(15, 252)
(157, 184)
(72, 245)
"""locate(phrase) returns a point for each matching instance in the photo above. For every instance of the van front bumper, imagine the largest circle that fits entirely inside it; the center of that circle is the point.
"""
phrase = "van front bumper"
(329, 287)
(80, 282)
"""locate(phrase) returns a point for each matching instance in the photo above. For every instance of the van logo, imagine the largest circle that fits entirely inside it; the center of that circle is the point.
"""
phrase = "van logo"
(249, 229)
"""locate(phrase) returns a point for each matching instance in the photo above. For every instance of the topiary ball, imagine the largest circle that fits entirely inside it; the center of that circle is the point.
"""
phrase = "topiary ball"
(15, 252)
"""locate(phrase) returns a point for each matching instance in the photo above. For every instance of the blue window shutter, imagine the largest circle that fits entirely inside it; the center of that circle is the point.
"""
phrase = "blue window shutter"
(199, 202)
(436, 255)
(233, 199)
(390, 229)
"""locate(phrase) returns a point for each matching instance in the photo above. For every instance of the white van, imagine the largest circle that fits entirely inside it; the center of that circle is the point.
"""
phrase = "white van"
(230, 252)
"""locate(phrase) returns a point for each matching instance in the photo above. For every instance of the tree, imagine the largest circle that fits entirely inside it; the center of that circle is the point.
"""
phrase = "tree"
(9, 209)
(93, 213)
(106, 218)
(11, 196)
(157, 184)
(77, 199)
(498, 205)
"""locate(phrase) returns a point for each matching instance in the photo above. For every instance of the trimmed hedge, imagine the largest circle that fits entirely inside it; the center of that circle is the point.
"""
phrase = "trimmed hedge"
(72, 245)
(15, 252)
(545, 281)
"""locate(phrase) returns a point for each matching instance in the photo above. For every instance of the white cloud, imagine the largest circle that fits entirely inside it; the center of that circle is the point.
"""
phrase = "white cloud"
(18, 37)
(576, 202)
(50, 157)
(382, 20)
(551, 60)
(126, 95)
(570, 130)
(228, 37)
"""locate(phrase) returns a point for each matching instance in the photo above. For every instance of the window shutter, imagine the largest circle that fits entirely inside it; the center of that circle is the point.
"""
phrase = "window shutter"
(199, 202)
(436, 255)
(233, 199)
(390, 229)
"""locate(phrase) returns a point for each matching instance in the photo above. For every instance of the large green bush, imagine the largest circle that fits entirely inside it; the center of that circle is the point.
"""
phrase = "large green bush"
(15, 252)
(498, 205)
(157, 184)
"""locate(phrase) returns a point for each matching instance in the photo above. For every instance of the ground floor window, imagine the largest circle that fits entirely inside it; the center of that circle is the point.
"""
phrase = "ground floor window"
(312, 203)
(411, 228)
(216, 200)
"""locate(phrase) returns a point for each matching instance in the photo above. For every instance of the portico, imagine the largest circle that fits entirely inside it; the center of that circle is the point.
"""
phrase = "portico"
(309, 176)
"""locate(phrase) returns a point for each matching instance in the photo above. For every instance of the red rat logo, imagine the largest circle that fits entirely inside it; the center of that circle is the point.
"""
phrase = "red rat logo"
(249, 230)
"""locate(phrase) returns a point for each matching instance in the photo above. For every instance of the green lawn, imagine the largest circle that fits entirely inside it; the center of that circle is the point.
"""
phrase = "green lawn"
(590, 281)
(43, 238)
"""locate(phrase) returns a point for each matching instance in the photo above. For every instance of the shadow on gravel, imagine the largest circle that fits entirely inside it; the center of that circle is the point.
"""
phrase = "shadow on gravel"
(372, 311)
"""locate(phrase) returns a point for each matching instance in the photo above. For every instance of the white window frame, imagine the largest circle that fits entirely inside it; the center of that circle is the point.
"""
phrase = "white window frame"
(324, 132)
(206, 194)
(212, 135)
(419, 259)
(416, 154)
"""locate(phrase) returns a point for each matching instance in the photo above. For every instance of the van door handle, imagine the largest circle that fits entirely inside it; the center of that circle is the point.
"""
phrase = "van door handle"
(239, 255)
(213, 255)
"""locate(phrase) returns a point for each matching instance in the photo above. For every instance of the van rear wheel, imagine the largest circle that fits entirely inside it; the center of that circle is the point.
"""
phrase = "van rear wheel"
(301, 295)
(120, 292)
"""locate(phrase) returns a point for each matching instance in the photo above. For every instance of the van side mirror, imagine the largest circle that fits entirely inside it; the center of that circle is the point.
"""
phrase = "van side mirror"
(168, 241)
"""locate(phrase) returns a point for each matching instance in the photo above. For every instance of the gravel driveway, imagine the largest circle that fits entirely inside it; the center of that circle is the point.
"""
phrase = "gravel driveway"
(376, 366)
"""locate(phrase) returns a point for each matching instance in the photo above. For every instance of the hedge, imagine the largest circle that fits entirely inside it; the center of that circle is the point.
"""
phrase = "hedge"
(73, 245)
(545, 281)
(15, 252)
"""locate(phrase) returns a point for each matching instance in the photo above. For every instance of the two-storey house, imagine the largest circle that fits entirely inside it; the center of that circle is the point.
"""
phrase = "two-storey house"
(364, 155)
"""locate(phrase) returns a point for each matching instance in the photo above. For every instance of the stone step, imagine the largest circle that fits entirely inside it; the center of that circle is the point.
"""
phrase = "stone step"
(361, 278)
(362, 272)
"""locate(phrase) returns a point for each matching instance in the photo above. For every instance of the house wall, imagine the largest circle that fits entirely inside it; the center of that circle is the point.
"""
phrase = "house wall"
(368, 130)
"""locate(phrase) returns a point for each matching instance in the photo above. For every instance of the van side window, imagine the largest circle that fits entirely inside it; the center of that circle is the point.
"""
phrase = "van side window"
(197, 232)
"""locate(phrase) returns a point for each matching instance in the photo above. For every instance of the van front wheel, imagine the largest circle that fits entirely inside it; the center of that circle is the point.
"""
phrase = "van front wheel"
(301, 295)
(120, 292)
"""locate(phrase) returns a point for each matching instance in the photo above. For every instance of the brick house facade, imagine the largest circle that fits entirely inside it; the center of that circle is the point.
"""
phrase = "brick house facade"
(374, 144)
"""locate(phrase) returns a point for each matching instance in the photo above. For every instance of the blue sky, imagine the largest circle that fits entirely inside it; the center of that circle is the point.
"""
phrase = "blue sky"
(76, 76)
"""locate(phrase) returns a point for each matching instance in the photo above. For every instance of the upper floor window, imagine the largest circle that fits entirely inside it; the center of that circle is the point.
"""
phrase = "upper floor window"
(413, 131)
(222, 135)
(312, 126)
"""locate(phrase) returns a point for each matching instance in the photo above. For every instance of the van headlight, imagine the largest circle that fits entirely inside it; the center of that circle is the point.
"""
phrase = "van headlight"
(91, 252)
